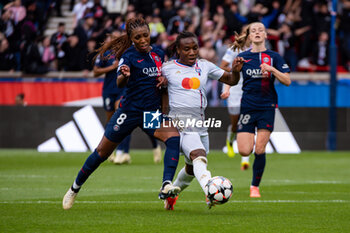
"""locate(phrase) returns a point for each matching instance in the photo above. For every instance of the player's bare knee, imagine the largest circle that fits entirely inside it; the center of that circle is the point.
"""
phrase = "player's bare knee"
(259, 150)
(104, 152)
(198, 153)
(105, 148)
(245, 152)
(189, 169)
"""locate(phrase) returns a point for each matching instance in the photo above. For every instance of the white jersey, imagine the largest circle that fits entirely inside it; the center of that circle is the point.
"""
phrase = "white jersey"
(186, 88)
(229, 56)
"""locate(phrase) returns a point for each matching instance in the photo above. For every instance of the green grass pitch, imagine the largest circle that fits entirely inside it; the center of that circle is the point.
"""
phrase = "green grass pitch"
(309, 192)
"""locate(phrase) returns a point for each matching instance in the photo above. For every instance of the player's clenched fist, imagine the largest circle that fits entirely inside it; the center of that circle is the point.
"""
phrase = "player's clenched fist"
(237, 64)
(162, 81)
(125, 70)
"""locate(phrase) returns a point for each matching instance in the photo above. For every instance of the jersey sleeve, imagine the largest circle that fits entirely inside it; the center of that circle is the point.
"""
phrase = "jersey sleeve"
(99, 61)
(281, 65)
(165, 69)
(214, 72)
(229, 56)
(124, 60)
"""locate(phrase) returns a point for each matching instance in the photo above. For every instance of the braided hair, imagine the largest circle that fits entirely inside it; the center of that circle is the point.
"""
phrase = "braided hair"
(118, 45)
(172, 49)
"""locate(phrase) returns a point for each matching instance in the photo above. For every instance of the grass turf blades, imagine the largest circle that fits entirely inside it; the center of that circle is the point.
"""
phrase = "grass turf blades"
(308, 192)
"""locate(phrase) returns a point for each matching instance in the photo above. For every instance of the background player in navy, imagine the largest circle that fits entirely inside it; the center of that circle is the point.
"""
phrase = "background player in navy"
(111, 95)
(140, 70)
(107, 64)
(260, 67)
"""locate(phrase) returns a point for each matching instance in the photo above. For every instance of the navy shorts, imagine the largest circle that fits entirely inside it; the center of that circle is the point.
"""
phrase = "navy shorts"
(109, 101)
(123, 122)
(249, 119)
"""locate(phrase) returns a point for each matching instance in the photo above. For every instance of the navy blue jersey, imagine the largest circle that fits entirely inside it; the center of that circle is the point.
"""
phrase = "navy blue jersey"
(258, 89)
(110, 80)
(141, 92)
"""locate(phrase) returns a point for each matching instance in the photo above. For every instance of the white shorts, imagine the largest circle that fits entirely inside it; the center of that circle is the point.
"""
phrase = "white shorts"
(191, 141)
(234, 110)
(234, 101)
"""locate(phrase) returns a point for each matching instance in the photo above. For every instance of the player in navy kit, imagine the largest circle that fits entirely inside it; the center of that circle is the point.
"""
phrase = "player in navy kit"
(139, 70)
(111, 94)
(260, 67)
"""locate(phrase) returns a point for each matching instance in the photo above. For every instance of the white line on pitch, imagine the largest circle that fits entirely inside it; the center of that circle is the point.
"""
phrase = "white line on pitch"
(35, 176)
(150, 202)
(133, 191)
(310, 181)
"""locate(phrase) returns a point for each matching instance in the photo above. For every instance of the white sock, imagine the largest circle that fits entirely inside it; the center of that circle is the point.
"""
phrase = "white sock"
(183, 179)
(200, 171)
(75, 186)
(245, 159)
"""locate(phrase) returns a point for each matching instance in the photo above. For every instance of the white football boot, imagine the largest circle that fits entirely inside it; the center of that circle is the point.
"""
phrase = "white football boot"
(168, 190)
(122, 158)
(126, 158)
(111, 158)
(68, 199)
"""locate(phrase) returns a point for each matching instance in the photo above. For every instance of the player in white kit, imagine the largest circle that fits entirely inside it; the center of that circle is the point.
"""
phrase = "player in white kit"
(233, 94)
(187, 77)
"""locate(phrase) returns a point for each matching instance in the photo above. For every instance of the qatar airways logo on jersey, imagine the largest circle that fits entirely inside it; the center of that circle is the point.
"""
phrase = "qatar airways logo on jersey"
(152, 71)
(255, 73)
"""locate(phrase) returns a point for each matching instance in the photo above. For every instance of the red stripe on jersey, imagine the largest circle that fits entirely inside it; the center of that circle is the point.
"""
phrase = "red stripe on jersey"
(158, 61)
(265, 81)
(200, 92)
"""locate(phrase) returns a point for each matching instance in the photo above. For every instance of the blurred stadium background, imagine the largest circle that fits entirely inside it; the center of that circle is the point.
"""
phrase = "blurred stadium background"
(47, 48)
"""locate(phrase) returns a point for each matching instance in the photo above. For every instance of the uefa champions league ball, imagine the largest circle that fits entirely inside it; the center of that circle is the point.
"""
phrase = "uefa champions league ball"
(218, 190)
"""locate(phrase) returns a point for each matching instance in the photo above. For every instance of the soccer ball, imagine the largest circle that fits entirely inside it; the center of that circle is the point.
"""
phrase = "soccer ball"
(218, 190)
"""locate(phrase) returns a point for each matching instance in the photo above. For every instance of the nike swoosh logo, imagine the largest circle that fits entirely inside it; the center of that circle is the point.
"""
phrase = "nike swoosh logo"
(174, 159)
(139, 61)
(247, 60)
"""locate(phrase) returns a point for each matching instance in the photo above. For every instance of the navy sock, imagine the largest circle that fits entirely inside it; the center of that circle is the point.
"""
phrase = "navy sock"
(171, 157)
(154, 142)
(125, 144)
(258, 168)
(90, 165)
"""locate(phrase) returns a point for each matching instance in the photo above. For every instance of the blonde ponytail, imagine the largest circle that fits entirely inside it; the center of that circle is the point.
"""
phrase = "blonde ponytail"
(241, 39)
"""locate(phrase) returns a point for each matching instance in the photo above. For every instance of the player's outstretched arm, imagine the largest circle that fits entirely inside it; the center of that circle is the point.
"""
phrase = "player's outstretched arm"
(231, 78)
(98, 71)
(237, 64)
